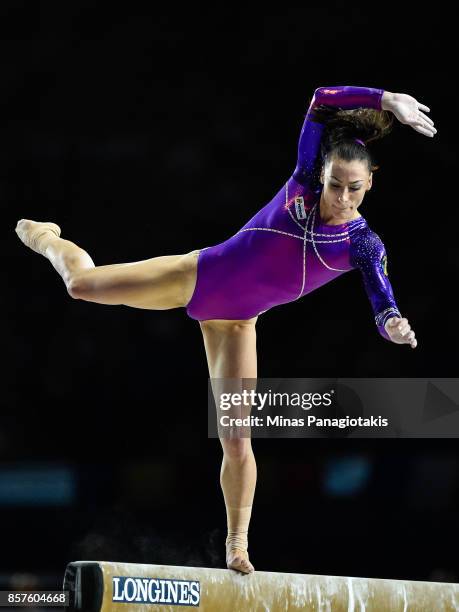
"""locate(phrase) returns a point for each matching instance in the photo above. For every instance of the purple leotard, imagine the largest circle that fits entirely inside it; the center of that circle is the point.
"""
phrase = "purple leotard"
(285, 251)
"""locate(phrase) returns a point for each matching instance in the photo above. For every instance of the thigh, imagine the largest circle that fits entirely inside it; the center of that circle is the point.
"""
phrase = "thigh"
(158, 283)
(230, 347)
(232, 359)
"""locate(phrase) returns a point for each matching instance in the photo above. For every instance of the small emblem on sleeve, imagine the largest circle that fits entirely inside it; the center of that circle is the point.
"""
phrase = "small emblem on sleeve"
(383, 263)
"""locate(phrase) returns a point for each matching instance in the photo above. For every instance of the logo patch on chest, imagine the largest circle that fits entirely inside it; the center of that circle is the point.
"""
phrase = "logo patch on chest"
(299, 208)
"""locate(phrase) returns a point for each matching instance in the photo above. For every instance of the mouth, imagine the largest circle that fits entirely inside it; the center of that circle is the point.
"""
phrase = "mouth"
(338, 208)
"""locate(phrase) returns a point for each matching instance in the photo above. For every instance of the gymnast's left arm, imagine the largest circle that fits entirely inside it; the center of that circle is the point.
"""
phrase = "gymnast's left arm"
(369, 255)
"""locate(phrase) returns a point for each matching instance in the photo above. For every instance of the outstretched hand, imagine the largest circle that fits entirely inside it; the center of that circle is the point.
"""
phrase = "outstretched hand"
(409, 111)
(400, 332)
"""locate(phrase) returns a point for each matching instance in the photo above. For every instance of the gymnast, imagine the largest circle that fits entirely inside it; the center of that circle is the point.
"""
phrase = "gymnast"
(307, 235)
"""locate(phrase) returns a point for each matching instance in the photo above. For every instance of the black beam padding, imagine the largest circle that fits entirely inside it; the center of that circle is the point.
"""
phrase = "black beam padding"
(85, 582)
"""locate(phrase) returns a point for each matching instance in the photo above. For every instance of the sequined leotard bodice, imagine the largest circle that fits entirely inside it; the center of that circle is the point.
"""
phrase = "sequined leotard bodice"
(286, 251)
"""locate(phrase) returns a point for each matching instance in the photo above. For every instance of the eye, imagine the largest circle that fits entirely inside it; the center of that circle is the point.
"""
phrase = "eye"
(351, 188)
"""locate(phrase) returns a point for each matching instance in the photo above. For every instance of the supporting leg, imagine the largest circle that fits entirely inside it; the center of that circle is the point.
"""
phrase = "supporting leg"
(231, 353)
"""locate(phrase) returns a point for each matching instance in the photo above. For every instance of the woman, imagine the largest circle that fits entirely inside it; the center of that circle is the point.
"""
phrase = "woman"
(310, 233)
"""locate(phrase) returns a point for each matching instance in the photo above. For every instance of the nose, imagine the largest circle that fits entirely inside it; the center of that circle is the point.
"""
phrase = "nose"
(344, 195)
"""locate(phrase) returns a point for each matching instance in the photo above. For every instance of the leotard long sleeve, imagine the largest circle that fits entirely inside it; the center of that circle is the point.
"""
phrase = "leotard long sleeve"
(285, 250)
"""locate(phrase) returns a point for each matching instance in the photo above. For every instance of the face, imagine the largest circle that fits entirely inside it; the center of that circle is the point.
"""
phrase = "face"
(345, 184)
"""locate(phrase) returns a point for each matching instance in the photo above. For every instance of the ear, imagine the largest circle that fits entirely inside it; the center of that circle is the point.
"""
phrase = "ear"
(322, 175)
(370, 181)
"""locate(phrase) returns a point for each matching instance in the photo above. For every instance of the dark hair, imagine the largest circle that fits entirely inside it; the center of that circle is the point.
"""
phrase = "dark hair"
(342, 127)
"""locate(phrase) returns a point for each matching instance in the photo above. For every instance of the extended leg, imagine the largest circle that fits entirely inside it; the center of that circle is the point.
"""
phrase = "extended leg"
(158, 283)
(231, 353)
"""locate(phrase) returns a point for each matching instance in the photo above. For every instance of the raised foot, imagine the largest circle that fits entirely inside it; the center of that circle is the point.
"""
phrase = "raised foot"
(36, 234)
(238, 559)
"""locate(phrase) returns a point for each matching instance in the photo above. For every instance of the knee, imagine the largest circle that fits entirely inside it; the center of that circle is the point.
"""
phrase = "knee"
(237, 449)
(77, 287)
(228, 327)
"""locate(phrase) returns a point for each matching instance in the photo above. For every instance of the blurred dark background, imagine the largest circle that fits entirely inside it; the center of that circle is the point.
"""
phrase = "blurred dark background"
(157, 131)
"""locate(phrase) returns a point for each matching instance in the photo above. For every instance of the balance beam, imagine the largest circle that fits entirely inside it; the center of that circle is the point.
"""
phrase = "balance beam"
(102, 586)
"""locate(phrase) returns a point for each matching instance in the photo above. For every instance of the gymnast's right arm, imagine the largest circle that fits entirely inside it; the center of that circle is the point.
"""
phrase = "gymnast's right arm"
(345, 97)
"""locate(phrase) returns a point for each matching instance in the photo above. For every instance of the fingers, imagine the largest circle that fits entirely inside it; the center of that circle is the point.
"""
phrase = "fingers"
(405, 331)
(426, 118)
(401, 332)
(423, 107)
(429, 127)
(411, 340)
(403, 326)
(424, 129)
(423, 123)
